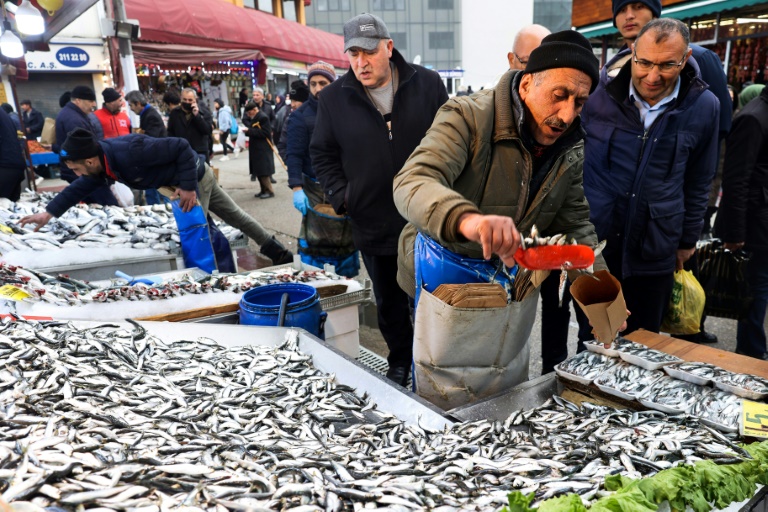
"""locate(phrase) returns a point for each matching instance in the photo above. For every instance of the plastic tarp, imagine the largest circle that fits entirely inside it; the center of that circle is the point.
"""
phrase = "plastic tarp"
(220, 25)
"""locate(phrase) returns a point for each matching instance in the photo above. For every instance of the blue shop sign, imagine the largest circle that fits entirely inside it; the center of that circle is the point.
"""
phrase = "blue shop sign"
(72, 56)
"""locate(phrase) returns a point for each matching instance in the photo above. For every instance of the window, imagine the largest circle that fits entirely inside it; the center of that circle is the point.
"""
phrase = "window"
(265, 6)
(441, 40)
(332, 5)
(440, 4)
(388, 5)
(249, 3)
(400, 39)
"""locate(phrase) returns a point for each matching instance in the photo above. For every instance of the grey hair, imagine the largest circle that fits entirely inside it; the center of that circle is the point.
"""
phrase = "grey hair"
(189, 89)
(258, 89)
(665, 28)
(136, 97)
(539, 76)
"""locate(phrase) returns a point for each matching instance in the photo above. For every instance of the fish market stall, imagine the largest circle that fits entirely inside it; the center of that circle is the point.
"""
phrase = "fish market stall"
(159, 416)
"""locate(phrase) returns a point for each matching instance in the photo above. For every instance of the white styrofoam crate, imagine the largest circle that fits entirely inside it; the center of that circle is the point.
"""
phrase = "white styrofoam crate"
(342, 321)
(349, 343)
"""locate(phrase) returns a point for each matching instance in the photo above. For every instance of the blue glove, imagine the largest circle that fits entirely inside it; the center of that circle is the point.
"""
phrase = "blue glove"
(300, 201)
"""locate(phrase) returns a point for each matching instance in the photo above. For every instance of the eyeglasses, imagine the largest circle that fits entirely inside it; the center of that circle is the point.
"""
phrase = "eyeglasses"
(664, 67)
(521, 61)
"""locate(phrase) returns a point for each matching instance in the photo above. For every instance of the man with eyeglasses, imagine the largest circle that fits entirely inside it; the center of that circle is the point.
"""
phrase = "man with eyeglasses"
(526, 40)
(649, 159)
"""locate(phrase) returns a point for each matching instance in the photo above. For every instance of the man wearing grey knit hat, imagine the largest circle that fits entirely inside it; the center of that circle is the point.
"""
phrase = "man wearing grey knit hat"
(491, 166)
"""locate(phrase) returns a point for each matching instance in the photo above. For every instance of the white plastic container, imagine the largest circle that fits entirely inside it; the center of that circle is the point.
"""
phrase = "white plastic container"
(342, 330)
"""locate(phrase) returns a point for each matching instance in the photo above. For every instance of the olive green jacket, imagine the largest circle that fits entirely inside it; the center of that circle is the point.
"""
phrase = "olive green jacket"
(472, 160)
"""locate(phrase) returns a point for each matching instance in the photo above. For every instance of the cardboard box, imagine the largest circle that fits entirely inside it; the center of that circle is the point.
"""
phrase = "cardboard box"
(49, 132)
(602, 301)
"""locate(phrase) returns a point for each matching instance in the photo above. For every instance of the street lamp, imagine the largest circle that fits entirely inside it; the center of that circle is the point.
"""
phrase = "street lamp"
(29, 21)
(10, 44)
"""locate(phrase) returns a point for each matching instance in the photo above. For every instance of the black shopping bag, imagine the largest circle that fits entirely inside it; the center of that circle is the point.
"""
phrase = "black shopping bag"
(723, 275)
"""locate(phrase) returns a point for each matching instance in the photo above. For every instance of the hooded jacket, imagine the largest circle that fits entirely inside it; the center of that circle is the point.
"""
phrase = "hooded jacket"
(356, 160)
(300, 125)
(224, 118)
(648, 190)
(139, 161)
(473, 160)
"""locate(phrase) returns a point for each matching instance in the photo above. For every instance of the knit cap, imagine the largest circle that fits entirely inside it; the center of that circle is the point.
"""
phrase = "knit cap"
(83, 92)
(110, 95)
(299, 91)
(566, 49)
(653, 5)
(322, 68)
(80, 144)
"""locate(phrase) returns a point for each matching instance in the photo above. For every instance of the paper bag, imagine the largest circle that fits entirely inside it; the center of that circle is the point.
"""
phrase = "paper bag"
(603, 302)
(49, 132)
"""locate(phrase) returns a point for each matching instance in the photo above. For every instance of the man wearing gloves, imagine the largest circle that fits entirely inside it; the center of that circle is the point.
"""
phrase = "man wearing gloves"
(144, 162)
(323, 239)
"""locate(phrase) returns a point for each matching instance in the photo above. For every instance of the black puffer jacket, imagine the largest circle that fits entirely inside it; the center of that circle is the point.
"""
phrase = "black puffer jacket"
(356, 161)
(743, 214)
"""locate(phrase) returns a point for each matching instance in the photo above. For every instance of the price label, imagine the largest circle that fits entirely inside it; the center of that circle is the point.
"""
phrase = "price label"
(6, 229)
(754, 419)
(10, 292)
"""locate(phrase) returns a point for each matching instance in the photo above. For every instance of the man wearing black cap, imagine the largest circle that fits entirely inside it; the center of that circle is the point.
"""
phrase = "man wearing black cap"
(651, 152)
(144, 162)
(75, 114)
(497, 162)
(368, 122)
(114, 121)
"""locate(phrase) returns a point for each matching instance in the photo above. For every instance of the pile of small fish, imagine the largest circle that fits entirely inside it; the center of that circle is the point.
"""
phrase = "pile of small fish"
(649, 358)
(93, 226)
(698, 373)
(586, 365)
(629, 379)
(65, 291)
(673, 395)
(112, 418)
(743, 381)
(719, 408)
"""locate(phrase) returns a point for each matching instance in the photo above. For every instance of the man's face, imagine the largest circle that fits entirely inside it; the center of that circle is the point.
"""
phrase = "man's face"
(114, 106)
(632, 18)
(188, 97)
(86, 106)
(87, 167)
(317, 83)
(296, 104)
(251, 113)
(25, 107)
(135, 107)
(525, 44)
(554, 103)
(258, 96)
(655, 84)
(371, 67)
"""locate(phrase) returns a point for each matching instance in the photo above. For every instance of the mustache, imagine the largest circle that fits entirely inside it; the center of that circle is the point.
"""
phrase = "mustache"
(556, 122)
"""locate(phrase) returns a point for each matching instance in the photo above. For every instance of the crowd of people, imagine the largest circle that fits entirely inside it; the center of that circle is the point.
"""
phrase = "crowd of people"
(627, 153)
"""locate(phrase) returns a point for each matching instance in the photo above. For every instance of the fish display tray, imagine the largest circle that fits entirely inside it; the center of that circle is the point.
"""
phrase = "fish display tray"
(598, 348)
(644, 363)
(106, 270)
(675, 372)
(737, 390)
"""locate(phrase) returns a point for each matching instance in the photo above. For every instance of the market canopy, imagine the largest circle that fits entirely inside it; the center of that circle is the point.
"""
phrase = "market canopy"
(217, 24)
(679, 11)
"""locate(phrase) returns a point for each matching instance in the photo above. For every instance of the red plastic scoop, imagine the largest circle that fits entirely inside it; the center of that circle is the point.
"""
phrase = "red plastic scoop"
(555, 257)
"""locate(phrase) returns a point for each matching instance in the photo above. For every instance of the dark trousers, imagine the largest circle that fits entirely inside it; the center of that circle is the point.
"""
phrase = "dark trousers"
(555, 321)
(647, 298)
(393, 310)
(750, 333)
(223, 136)
(10, 184)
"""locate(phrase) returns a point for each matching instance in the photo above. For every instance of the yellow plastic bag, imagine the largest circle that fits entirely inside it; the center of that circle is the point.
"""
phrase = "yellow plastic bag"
(686, 305)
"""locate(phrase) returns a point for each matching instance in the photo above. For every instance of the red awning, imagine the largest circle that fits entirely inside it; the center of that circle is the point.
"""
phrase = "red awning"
(219, 24)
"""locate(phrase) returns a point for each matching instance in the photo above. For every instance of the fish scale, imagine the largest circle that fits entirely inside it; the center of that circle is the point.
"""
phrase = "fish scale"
(287, 454)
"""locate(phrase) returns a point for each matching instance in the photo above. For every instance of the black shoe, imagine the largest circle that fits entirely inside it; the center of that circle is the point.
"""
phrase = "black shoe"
(253, 177)
(763, 357)
(275, 251)
(702, 337)
(273, 180)
(399, 374)
(265, 195)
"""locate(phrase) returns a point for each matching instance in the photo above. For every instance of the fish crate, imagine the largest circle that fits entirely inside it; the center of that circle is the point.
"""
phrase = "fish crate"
(105, 270)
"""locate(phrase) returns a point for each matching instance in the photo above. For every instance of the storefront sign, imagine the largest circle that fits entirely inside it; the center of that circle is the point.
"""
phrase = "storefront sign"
(451, 73)
(67, 58)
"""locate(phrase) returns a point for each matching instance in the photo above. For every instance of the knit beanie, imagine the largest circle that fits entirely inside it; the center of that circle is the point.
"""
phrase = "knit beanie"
(80, 144)
(322, 68)
(82, 92)
(653, 5)
(110, 95)
(299, 91)
(566, 49)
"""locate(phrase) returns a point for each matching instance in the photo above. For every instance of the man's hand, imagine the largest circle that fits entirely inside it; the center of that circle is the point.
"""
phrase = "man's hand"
(187, 199)
(497, 234)
(733, 246)
(195, 109)
(41, 219)
(683, 255)
(300, 200)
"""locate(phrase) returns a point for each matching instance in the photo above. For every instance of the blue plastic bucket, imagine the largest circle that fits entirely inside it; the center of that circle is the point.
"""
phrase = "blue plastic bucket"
(261, 306)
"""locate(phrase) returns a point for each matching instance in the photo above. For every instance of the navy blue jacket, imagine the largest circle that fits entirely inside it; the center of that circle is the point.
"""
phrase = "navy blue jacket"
(712, 73)
(301, 124)
(69, 118)
(139, 161)
(10, 147)
(151, 122)
(33, 120)
(648, 191)
(356, 157)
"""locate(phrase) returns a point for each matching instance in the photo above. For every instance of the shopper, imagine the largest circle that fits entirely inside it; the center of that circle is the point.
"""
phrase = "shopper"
(189, 123)
(224, 119)
(33, 120)
(261, 160)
